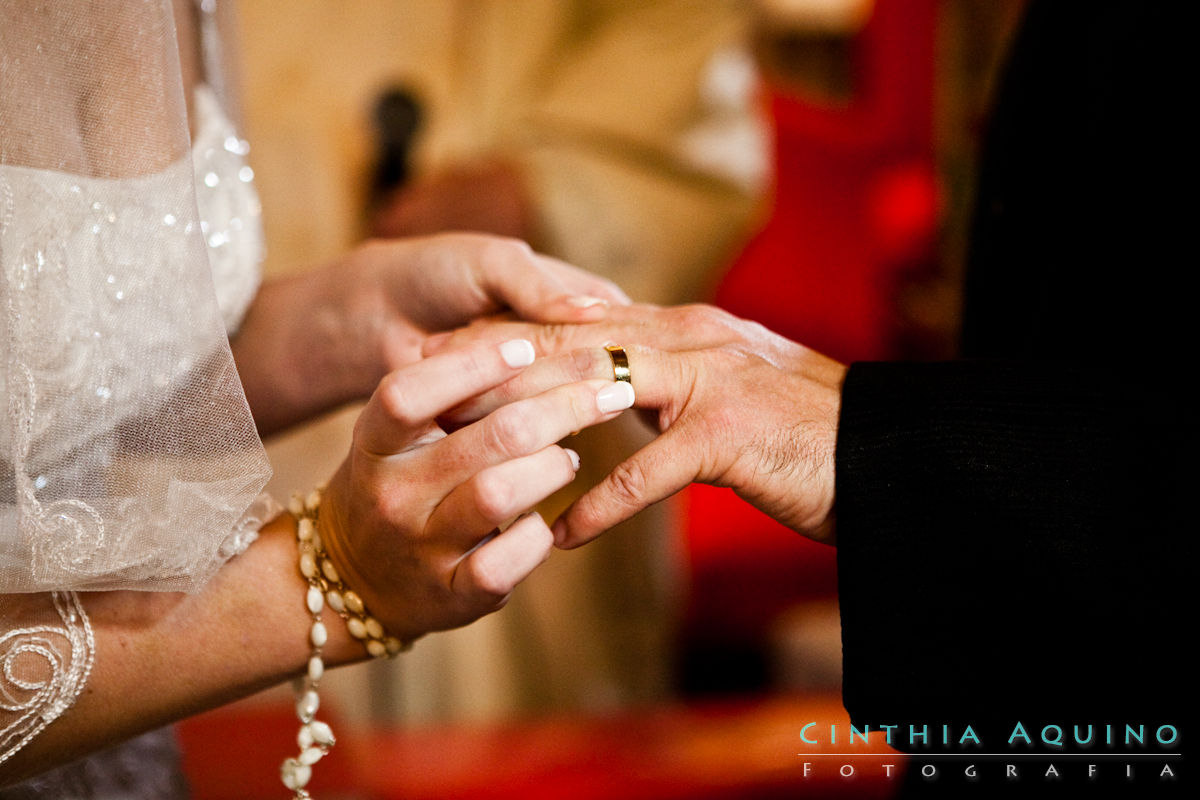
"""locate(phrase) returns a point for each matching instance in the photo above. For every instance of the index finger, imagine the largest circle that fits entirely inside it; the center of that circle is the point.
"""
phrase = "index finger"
(406, 401)
(654, 473)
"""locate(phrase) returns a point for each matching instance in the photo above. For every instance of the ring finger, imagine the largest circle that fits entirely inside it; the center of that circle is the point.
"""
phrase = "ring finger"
(588, 363)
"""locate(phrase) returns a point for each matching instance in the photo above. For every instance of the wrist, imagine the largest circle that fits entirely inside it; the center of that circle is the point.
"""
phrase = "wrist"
(332, 588)
(825, 530)
(822, 527)
(340, 648)
(808, 494)
(338, 346)
(311, 343)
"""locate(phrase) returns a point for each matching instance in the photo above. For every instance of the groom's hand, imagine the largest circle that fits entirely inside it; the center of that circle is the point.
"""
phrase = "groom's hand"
(736, 405)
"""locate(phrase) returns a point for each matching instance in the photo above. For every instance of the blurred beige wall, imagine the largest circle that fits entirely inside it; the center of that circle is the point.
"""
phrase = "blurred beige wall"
(310, 72)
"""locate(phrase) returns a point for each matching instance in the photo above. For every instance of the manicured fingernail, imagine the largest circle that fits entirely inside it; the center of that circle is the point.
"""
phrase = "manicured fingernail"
(586, 301)
(559, 530)
(615, 397)
(571, 454)
(517, 353)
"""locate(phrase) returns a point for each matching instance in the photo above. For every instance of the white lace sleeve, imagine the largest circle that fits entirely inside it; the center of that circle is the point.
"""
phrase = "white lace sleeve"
(128, 455)
(132, 452)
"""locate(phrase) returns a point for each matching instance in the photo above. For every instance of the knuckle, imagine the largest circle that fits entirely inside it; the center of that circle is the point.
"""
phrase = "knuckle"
(504, 250)
(488, 582)
(397, 400)
(694, 314)
(477, 363)
(588, 363)
(390, 509)
(753, 330)
(509, 433)
(585, 515)
(377, 503)
(704, 321)
(553, 339)
(544, 542)
(493, 497)
(628, 483)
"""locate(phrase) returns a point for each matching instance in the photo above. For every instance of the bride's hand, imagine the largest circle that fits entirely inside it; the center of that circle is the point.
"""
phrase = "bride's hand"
(411, 518)
(316, 340)
(437, 283)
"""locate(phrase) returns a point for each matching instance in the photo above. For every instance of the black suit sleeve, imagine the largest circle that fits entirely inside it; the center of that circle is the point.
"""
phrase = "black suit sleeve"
(1010, 541)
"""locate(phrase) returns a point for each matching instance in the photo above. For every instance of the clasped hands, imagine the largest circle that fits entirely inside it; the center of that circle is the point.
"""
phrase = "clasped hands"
(461, 441)
(735, 405)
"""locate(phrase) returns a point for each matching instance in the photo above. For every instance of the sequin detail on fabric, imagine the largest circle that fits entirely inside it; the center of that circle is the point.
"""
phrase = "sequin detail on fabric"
(133, 454)
(230, 212)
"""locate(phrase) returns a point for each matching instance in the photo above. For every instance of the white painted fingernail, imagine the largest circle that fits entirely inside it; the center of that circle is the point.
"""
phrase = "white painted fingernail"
(614, 397)
(517, 353)
(571, 454)
(586, 301)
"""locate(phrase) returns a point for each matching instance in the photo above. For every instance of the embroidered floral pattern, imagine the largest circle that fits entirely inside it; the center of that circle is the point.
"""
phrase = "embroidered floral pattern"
(43, 668)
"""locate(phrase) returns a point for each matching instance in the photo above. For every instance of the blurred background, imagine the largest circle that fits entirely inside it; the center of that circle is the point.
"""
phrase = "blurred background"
(803, 163)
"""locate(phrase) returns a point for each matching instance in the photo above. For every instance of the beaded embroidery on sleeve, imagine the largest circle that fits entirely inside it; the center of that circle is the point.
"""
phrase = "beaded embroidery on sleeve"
(43, 668)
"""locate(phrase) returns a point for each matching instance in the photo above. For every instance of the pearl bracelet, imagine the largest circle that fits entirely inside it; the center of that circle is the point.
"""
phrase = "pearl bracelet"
(325, 587)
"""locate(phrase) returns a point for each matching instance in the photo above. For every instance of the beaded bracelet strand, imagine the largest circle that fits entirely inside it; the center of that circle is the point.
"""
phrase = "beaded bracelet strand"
(325, 588)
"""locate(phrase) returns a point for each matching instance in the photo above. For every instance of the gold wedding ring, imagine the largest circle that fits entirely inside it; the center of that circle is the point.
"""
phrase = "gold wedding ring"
(620, 362)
